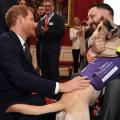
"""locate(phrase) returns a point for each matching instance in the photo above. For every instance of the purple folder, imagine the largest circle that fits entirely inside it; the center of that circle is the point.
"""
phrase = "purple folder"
(101, 71)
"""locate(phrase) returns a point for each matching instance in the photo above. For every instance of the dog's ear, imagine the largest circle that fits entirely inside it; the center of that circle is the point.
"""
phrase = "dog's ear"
(108, 24)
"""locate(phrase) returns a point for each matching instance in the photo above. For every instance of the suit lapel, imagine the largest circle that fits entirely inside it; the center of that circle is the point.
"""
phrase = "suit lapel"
(51, 21)
(18, 44)
(52, 18)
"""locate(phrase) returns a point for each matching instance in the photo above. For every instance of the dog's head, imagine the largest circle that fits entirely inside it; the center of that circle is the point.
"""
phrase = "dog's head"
(108, 24)
(109, 28)
(104, 28)
(102, 31)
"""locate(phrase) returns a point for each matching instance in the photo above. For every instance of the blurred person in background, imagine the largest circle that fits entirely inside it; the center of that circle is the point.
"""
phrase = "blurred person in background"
(40, 17)
(76, 36)
(22, 2)
(50, 32)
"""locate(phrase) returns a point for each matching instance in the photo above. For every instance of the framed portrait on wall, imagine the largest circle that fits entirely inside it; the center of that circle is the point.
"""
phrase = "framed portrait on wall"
(62, 7)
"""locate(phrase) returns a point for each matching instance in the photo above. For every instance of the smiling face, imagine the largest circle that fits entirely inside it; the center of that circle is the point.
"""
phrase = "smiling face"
(41, 11)
(19, 19)
(76, 21)
(95, 16)
(49, 7)
(22, 2)
(28, 24)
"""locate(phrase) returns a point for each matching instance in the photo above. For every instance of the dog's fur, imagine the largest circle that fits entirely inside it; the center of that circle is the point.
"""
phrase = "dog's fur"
(101, 32)
(76, 103)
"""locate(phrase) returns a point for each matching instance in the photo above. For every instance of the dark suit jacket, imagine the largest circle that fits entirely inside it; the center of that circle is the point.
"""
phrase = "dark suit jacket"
(17, 74)
(51, 39)
(4, 6)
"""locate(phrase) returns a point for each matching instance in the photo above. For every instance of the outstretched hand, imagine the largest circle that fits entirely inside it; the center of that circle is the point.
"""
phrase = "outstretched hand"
(74, 84)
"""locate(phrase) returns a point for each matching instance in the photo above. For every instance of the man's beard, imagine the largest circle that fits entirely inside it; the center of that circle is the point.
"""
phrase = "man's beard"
(93, 27)
(95, 24)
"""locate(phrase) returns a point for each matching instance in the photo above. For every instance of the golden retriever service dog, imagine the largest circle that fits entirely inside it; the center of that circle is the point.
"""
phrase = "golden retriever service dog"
(75, 104)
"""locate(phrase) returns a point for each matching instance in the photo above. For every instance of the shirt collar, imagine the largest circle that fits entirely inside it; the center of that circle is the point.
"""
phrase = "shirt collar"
(21, 40)
(50, 16)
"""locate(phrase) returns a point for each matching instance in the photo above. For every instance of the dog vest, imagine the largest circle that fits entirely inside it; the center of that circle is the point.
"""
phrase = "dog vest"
(101, 71)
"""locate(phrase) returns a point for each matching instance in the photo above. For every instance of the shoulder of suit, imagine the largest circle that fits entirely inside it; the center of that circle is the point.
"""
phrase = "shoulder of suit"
(56, 15)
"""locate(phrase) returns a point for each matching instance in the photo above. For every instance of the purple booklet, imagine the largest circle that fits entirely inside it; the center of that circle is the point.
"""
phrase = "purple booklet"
(101, 71)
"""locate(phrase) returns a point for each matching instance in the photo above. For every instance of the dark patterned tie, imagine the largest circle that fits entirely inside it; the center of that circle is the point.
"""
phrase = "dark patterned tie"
(27, 52)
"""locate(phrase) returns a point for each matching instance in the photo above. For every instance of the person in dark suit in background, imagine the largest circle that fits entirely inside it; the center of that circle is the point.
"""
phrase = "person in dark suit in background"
(4, 6)
(41, 15)
(51, 30)
(18, 77)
